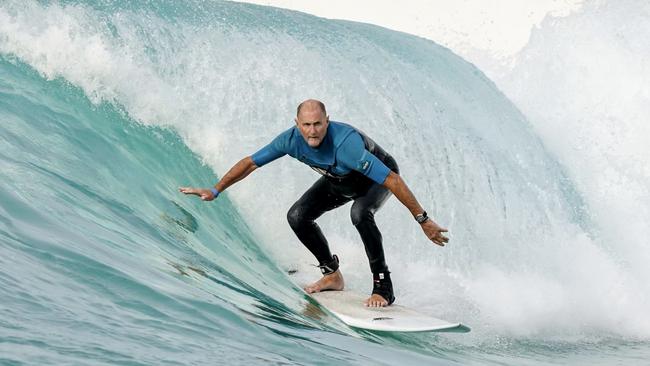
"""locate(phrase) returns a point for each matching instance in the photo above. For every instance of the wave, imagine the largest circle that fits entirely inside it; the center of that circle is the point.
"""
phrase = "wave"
(108, 107)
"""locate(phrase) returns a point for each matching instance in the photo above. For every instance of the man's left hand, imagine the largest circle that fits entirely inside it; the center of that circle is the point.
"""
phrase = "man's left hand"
(434, 232)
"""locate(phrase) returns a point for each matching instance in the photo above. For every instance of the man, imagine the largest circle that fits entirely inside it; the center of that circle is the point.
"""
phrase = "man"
(354, 168)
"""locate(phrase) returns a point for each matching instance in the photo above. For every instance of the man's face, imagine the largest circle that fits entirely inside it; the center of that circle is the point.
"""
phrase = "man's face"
(312, 124)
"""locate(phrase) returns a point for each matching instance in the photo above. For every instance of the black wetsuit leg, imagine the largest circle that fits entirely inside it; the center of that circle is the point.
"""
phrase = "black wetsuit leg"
(362, 214)
(318, 199)
(327, 194)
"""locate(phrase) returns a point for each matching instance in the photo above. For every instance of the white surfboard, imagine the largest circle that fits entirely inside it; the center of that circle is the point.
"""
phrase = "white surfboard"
(348, 306)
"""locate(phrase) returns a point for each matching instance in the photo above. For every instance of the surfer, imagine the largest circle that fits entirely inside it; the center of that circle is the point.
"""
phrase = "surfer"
(353, 168)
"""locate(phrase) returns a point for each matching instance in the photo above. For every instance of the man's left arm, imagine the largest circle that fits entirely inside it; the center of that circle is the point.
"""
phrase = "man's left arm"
(353, 155)
(398, 187)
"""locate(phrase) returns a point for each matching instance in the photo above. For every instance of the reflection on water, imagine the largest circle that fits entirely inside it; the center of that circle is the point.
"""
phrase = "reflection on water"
(183, 218)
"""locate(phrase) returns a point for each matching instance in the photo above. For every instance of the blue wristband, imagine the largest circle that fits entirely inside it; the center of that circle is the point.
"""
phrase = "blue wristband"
(214, 192)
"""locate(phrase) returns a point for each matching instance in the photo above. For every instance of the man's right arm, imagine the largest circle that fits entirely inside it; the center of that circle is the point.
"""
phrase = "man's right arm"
(238, 172)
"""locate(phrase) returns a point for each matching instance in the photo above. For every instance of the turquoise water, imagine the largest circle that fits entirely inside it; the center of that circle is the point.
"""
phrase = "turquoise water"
(107, 108)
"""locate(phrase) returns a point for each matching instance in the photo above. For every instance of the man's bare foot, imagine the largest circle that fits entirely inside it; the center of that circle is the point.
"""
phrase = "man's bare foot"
(375, 301)
(332, 281)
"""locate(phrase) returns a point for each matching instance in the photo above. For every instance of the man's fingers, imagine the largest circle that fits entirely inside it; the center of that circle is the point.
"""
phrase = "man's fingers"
(438, 238)
(186, 190)
(189, 190)
(434, 238)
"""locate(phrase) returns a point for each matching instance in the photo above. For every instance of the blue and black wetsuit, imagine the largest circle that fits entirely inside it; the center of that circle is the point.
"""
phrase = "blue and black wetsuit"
(353, 168)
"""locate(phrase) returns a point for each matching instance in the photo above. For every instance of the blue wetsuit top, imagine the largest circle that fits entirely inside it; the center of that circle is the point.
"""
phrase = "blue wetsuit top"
(341, 151)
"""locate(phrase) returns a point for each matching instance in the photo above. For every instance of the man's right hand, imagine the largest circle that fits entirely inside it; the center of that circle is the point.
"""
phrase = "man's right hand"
(205, 194)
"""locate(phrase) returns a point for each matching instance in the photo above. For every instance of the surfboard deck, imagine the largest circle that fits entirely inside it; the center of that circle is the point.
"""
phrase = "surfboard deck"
(349, 308)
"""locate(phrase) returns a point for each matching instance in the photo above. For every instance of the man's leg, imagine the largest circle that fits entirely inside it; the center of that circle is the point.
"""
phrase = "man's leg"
(363, 218)
(317, 200)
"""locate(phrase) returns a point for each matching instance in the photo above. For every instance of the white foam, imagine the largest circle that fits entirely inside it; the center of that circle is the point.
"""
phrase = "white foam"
(584, 83)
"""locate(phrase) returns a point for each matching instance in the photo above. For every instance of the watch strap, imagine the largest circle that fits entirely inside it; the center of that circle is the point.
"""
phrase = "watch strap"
(421, 218)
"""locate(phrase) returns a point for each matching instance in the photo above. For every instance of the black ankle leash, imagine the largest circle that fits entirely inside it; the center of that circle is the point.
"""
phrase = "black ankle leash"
(331, 267)
(383, 286)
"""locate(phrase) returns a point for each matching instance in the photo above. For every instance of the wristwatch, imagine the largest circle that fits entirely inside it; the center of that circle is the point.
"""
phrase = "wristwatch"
(421, 218)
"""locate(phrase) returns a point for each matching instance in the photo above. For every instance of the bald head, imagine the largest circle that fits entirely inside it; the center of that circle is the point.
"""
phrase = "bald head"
(312, 121)
(311, 105)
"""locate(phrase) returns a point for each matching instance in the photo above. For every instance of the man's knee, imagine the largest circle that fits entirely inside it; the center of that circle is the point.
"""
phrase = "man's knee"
(295, 216)
(360, 214)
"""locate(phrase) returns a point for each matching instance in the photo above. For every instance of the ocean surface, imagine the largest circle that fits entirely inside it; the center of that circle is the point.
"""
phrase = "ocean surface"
(541, 174)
